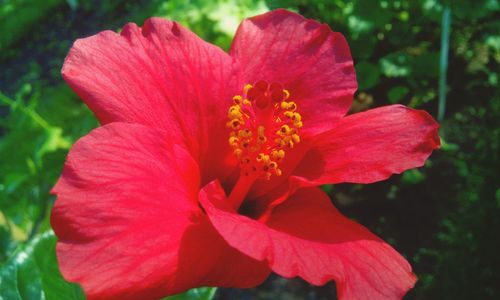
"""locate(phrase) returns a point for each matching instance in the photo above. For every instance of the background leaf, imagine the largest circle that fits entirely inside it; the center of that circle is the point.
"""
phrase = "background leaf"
(195, 294)
(32, 273)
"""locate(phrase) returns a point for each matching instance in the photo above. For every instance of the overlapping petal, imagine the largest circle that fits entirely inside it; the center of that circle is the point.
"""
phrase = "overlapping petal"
(371, 146)
(128, 221)
(308, 58)
(161, 75)
(307, 237)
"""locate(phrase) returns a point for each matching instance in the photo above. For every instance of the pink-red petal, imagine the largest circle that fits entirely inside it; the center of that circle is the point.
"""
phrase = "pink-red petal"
(128, 222)
(307, 237)
(371, 146)
(161, 75)
(306, 57)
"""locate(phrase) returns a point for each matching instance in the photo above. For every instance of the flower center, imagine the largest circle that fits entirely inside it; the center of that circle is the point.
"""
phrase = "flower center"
(264, 124)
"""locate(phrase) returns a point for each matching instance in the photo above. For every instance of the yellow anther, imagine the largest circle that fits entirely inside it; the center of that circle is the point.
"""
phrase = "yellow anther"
(246, 102)
(245, 133)
(296, 138)
(296, 117)
(234, 112)
(286, 139)
(247, 87)
(237, 153)
(261, 157)
(234, 124)
(237, 99)
(278, 172)
(298, 124)
(255, 148)
(288, 114)
(279, 142)
(284, 130)
(272, 165)
(261, 130)
(233, 141)
(278, 154)
(290, 106)
(287, 94)
(261, 134)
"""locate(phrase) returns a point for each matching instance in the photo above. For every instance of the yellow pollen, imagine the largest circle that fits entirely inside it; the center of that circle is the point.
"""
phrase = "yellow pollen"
(278, 154)
(263, 124)
(234, 124)
(244, 133)
(234, 112)
(233, 141)
(287, 94)
(246, 88)
(237, 100)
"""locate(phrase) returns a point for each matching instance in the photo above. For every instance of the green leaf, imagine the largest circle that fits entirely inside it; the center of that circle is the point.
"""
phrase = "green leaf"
(18, 17)
(397, 93)
(204, 293)
(412, 177)
(32, 273)
(397, 64)
(368, 75)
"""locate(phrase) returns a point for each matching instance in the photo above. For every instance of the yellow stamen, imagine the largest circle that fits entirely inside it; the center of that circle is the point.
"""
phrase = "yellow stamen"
(261, 133)
(237, 99)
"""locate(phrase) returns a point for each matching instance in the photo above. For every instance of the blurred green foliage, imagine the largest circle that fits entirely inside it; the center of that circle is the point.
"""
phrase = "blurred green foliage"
(443, 217)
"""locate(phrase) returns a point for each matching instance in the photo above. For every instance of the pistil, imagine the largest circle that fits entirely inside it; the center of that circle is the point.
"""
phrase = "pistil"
(240, 190)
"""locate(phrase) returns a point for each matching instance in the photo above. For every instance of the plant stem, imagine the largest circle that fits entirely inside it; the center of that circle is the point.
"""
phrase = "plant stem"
(443, 61)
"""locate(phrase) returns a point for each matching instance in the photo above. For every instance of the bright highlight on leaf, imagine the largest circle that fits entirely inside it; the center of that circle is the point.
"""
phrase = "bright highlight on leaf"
(205, 168)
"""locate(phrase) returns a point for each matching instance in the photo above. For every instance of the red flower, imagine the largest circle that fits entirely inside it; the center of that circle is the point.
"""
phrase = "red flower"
(156, 201)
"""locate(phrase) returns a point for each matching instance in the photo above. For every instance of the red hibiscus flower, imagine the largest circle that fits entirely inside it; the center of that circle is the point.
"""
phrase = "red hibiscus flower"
(205, 169)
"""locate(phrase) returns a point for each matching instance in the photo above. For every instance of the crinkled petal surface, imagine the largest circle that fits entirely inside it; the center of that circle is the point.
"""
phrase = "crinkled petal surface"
(308, 58)
(307, 237)
(128, 221)
(161, 75)
(371, 146)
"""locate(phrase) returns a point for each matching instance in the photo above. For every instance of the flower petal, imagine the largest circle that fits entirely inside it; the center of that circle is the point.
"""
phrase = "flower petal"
(307, 237)
(306, 57)
(128, 222)
(161, 75)
(371, 146)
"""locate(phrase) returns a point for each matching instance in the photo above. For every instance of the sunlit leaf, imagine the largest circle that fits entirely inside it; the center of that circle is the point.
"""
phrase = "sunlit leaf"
(32, 273)
(396, 64)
